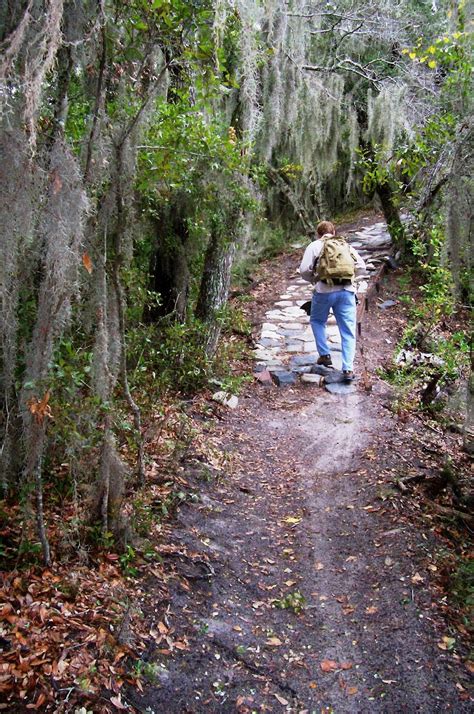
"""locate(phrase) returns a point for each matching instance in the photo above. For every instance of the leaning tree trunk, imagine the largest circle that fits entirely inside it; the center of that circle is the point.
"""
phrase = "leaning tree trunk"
(391, 213)
(215, 281)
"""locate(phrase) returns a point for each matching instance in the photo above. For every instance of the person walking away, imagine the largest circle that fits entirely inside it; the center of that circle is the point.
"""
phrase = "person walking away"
(332, 266)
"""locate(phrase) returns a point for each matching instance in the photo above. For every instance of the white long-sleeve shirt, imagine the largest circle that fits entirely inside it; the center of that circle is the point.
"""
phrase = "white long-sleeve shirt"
(312, 253)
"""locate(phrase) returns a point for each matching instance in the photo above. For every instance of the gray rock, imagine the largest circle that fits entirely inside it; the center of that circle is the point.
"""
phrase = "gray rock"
(379, 241)
(296, 326)
(268, 342)
(265, 354)
(290, 333)
(275, 315)
(294, 347)
(271, 364)
(228, 400)
(334, 377)
(283, 378)
(312, 379)
(292, 311)
(321, 370)
(264, 377)
(303, 360)
(387, 303)
(341, 388)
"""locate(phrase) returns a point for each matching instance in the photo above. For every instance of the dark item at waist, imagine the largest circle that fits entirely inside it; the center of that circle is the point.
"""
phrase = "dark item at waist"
(337, 281)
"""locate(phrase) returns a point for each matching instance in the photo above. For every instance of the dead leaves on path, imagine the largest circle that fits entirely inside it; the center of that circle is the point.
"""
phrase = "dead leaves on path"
(330, 665)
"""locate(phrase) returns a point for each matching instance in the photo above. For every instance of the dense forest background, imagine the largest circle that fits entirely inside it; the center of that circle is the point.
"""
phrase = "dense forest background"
(152, 151)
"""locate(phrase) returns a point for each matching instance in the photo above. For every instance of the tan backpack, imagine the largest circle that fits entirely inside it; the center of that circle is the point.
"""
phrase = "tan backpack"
(335, 263)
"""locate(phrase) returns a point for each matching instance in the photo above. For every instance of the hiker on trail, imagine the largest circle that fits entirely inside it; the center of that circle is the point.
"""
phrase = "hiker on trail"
(331, 265)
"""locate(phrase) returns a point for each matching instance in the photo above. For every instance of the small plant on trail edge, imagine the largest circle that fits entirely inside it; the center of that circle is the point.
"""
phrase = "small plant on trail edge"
(293, 601)
(126, 560)
(148, 670)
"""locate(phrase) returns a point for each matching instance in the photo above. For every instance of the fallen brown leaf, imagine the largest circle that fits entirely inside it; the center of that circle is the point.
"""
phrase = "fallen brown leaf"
(329, 665)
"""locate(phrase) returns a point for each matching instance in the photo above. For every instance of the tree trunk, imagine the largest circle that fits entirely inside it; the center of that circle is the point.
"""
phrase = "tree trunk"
(216, 276)
(121, 303)
(391, 214)
(169, 271)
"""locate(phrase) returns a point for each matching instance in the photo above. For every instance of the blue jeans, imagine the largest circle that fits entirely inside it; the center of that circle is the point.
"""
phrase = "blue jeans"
(343, 306)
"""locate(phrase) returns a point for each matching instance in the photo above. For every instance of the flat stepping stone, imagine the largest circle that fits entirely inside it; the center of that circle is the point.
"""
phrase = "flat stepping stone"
(285, 303)
(268, 335)
(303, 360)
(294, 348)
(378, 241)
(276, 315)
(341, 388)
(303, 369)
(289, 333)
(265, 354)
(268, 342)
(296, 326)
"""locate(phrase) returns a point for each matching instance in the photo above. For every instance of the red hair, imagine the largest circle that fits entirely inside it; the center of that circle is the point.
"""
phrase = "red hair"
(325, 227)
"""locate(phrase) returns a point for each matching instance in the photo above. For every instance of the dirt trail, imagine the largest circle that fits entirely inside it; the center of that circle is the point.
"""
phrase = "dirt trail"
(300, 590)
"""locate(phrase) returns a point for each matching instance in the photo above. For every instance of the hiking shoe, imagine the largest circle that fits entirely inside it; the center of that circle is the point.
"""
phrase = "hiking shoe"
(325, 360)
(348, 375)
